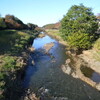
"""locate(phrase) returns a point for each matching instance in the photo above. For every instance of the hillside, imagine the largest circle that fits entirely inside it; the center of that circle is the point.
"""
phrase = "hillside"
(12, 22)
(52, 26)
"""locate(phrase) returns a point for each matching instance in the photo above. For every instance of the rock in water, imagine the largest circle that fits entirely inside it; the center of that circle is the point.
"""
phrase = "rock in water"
(33, 63)
(31, 49)
(48, 46)
(66, 69)
(98, 86)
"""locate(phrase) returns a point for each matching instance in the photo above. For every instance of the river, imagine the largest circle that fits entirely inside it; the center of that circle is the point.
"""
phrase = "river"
(47, 80)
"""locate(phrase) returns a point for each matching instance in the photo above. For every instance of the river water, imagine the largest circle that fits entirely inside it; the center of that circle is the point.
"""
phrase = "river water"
(46, 79)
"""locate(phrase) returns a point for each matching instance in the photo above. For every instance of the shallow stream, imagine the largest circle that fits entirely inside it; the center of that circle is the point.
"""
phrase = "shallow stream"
(46, 79)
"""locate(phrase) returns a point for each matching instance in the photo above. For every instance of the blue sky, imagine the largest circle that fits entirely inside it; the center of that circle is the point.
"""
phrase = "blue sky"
(43, 12)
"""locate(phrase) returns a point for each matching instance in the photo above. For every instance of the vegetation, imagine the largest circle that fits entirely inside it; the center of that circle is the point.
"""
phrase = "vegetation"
(49, 26)
(79, 41)
(96, 45)
(2, 23)
(52, 26)
(78, 27)
(12, 22)
(31, 26)
(12, 44)
(54, 33)
(13, 41)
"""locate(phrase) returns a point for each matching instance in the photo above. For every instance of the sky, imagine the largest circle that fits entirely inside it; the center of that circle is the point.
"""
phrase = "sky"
(42, 12)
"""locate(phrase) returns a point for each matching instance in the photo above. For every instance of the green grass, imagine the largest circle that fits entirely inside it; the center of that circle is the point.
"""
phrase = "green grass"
(54, 33)
(8, 64)
(12, 41)
(12, 44)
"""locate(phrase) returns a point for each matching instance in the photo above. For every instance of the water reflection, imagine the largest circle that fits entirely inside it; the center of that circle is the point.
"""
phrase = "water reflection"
(40, 42)
(88, 72)
(49, 76)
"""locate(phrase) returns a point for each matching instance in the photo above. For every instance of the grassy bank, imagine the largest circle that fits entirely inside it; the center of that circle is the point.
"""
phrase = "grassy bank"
(56, 34)
(13, 57)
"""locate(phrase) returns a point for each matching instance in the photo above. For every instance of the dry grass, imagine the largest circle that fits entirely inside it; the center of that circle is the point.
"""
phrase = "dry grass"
(96, 45)
(96, 48)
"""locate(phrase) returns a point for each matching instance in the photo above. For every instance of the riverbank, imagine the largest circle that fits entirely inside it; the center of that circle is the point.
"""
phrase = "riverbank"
(14, 54)
(88, 58)
(55, 34)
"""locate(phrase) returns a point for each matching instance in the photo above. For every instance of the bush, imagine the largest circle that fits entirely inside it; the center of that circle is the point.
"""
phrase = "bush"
(79, 41)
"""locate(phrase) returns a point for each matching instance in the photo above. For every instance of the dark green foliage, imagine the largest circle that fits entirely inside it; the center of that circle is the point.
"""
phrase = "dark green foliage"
(79, 20)
(2, 23)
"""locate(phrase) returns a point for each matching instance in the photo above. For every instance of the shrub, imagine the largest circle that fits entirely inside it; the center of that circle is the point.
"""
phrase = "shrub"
(79, 41)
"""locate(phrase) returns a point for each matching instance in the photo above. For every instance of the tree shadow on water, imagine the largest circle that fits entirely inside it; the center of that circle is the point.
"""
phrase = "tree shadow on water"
(72, 89)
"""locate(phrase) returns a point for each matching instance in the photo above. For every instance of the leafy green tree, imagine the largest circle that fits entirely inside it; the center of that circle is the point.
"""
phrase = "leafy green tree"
(79, 20)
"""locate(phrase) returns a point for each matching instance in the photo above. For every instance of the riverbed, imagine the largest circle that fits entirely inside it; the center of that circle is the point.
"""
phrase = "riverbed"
(47, 80)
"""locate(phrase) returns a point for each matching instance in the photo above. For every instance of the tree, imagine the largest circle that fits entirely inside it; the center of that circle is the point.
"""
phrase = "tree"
(79, 20)
(31, 26)
(13, 22)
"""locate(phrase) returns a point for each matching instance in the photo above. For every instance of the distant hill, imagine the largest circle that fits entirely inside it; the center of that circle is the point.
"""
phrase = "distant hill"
(12, 22)
(52, 26)
(98, 16)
